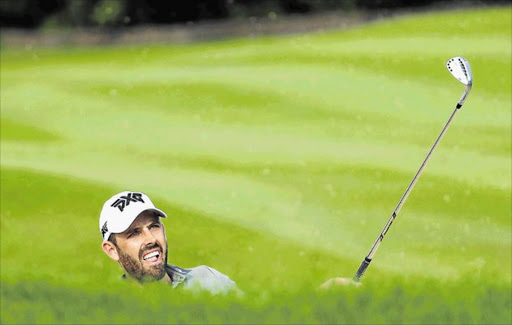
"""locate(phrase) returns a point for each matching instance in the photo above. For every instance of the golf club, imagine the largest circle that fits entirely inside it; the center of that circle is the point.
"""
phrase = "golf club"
(459, 68)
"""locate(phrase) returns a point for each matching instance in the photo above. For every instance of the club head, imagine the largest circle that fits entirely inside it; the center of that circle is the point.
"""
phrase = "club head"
(459, 68)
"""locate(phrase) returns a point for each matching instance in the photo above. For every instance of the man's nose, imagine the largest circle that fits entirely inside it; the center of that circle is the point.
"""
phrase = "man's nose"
(149, 238)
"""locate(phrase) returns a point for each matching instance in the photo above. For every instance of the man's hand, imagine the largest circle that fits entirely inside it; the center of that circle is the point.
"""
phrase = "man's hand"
(337, 282)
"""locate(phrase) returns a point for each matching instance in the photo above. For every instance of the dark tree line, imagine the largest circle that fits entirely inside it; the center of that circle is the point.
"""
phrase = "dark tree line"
(34, 13)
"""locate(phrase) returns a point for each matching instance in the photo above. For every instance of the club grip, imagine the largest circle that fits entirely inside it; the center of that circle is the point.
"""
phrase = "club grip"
(362, 268)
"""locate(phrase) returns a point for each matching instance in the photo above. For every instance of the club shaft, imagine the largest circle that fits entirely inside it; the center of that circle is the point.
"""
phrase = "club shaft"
(367, 260)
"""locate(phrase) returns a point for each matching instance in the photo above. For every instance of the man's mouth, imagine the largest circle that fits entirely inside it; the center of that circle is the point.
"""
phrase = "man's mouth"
(152, 256)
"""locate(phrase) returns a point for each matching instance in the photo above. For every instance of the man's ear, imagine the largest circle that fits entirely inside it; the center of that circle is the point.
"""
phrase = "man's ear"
(110, 249)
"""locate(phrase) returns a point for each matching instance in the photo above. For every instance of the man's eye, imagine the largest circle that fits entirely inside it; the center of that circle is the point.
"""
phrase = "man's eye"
(133, 233)
(155, 225)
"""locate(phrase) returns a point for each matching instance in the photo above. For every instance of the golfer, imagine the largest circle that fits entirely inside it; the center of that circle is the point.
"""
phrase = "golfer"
(134, 236)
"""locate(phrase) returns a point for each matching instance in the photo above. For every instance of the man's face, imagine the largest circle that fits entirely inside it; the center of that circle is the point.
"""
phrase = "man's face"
(142, 248)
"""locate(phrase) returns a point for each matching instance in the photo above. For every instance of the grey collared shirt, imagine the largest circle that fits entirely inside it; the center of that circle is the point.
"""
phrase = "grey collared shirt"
(200, 278)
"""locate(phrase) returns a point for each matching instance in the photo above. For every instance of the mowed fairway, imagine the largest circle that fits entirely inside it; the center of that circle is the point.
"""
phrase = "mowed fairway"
(278, 161)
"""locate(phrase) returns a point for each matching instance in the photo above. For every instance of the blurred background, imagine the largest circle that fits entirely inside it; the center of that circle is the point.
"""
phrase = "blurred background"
(118, 13)
(278, 137)
(114, 21)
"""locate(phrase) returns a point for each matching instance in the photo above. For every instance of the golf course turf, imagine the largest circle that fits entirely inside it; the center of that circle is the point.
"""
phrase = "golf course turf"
(278, 160)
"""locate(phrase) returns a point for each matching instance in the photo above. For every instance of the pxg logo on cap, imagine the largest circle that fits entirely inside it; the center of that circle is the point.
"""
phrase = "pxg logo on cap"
(125, 200)
(122, 209)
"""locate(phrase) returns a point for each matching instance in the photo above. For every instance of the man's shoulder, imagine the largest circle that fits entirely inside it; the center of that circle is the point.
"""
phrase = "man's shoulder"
(205, 271)
(203, 277)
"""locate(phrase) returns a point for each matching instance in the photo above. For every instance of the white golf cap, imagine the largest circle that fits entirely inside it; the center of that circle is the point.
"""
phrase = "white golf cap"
(122, 209)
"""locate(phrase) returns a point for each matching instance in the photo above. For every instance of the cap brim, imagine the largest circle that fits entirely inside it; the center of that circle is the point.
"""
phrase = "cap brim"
(122, 227)
(160, 212)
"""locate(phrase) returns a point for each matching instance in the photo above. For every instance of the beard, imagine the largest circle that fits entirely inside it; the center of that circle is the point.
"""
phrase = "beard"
(136, 270)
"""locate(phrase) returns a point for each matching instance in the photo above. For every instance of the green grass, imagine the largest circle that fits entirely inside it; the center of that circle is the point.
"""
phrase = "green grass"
(392, 303)
(278, 160)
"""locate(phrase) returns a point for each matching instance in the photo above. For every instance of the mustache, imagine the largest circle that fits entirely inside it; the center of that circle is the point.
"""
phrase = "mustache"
(150, 247)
